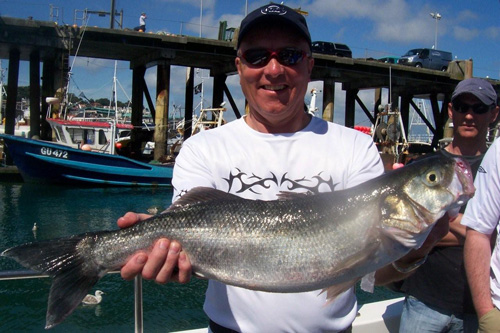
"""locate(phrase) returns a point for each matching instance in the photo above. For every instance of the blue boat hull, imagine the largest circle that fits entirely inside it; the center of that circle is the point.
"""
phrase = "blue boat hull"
(43, 161)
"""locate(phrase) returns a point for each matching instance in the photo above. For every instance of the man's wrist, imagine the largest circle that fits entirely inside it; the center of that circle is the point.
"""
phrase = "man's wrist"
(406, 268)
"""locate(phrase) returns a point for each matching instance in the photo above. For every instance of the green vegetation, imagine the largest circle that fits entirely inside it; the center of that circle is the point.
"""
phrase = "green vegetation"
(24, 92)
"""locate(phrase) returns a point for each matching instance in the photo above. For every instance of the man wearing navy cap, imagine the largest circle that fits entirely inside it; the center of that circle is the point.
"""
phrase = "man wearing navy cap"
(276, 147)
(438, 298)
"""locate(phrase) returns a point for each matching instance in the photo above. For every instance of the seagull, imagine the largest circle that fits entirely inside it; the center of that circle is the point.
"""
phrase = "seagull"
(93, 300)
(153, 210)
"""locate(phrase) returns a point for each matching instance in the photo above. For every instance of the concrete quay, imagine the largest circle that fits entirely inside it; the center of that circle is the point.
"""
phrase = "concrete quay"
(10, 174)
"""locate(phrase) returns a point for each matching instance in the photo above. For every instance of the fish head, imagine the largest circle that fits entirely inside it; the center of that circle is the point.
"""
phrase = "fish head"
(440, 185)
(432, 186)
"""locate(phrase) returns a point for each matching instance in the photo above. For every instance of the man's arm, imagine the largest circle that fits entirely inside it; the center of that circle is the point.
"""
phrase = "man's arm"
(477, 257)
(456, 235)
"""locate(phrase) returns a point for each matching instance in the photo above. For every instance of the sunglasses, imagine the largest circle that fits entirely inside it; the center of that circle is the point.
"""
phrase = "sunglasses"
(478, 108)
(260, 57)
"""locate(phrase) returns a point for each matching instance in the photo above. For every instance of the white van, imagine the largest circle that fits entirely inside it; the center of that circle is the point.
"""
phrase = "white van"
(426, 58)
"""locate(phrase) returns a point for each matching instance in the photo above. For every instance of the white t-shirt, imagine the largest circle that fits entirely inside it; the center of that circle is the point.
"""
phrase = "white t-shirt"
(483, 210)
(234, 158)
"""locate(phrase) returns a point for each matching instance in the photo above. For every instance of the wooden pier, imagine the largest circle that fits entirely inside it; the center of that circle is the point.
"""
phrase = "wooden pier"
(51, 44)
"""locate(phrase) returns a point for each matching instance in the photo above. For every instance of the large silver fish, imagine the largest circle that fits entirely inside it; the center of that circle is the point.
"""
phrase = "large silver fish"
(295, 244)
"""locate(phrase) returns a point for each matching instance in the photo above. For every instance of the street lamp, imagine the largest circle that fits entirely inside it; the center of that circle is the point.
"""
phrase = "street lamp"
(437, 17)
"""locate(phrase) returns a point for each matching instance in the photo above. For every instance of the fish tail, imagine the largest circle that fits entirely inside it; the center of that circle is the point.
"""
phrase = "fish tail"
(73, 274)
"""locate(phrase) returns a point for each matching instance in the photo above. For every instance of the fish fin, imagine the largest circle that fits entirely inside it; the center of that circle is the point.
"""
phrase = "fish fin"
(334, 291)
(73, 274)
(368, 282)
(200, 275)
(201, 194)
(66, 293)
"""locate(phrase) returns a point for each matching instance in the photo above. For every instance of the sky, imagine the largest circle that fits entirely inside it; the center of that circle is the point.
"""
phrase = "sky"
(470, 29)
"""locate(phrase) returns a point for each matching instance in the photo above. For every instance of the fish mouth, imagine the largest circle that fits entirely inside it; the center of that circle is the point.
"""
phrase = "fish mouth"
(406, 238)
(462, 187)
(423, 216)
(464, 172)
(413, 231)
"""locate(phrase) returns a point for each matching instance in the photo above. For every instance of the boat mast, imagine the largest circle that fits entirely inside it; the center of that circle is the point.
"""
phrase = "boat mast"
(312, 104)
(200, 72)
(2, 90)
(114, 95)
(66, 92)
(65, 101)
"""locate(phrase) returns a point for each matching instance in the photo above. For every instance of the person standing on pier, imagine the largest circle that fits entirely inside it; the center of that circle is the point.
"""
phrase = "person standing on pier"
(142, 23)
(258, 156)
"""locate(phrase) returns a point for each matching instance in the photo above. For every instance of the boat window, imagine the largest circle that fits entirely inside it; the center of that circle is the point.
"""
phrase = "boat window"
(123, 134)
(102, 137)
(76, 135)
(60, 134)
(90, 136)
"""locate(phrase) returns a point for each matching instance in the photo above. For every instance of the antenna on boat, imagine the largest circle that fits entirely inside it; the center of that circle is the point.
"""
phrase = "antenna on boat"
(66, 92)
(114, 97)
(390, 133)
(201, 93)
(390, 87)
(200, 89)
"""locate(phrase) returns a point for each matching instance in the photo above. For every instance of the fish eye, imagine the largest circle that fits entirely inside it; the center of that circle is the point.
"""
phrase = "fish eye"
(432, 177)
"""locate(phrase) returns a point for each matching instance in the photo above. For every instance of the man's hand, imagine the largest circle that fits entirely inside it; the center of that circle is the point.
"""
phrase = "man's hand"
(165, 262)
(389, 274)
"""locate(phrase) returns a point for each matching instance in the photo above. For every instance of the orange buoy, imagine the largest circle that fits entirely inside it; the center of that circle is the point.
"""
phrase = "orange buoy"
(397, 166)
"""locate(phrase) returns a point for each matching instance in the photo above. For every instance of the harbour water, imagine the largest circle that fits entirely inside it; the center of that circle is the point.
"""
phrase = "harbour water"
(62, 211)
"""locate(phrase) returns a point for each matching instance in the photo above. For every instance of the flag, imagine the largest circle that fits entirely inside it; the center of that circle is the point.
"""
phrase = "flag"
(197, 89)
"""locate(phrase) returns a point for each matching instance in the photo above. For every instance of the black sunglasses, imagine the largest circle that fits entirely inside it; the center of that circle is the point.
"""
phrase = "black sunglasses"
(260, 57)
(478, 108)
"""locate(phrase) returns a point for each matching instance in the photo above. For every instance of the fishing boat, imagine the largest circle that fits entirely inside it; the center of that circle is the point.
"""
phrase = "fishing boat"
(90, 129)
(98, 136)
(377, 317)
(209, 118)
(44, 161)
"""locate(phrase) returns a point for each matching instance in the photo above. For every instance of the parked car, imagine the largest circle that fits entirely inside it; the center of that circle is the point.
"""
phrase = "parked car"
(337, 49)
(426, 58)
(389, 60)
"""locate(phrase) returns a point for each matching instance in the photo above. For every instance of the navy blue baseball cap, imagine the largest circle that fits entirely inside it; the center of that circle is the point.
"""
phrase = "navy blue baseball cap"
(480, 88)
(276, 13)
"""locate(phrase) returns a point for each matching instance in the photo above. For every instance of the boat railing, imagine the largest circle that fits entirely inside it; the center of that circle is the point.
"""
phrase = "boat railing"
(138, 314)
